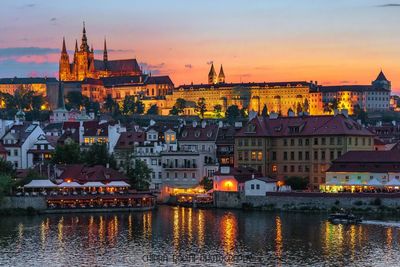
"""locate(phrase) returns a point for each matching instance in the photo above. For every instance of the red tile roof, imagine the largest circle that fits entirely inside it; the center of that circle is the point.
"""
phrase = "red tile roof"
(367, 161)
(303, 126)
(127, 140)
(82, 174)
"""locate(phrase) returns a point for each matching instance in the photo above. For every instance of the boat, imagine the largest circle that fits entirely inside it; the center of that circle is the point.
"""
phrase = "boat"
(344, 218)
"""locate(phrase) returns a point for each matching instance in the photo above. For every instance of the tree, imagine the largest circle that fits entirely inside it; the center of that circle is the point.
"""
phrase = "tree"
(297, 183)
(299, 108)
(264, 112)
(244, 113)
(330, 107)
(97, 154)
(207, 183)
(360, 114)
(140, 175)
(75, 100)
(139, 107)
(180, 105)
(109, 103)
(128, 106)
(153, 110)
(6, 184)
(67, 154)
(218, 110)
(232, 113)
(6, 168)
(174, 111)
(201, 107)
(306, 106)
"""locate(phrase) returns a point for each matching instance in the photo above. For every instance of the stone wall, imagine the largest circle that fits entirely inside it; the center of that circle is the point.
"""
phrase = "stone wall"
(302, 200)
(38, 203)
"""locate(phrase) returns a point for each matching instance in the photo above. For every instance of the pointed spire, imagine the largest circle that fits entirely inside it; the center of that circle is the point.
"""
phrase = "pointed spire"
(105, 54)
(64, 48)
(212, 75)
(221, 75)
(84, 45)
(76, 46)
(381, 76)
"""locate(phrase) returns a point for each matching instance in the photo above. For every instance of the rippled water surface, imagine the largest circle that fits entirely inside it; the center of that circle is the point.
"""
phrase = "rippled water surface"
(172, 236)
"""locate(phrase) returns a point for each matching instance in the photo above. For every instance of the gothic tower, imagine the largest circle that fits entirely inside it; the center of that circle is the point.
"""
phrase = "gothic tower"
(64, 68)
(105, 55)
(221, 75)
(212, 76)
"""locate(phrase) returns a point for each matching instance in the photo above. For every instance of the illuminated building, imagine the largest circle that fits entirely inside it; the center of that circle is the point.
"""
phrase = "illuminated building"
(303, 146)
(84, 65)
(46, 87)
(231, 179)
(364, 170)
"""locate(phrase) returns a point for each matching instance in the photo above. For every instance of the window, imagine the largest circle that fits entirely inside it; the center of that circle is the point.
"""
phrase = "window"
(292, 142)
(253, 155)
(240, 154)
(307, 156)
(339, 141)
(246, 155)
(332, 141)
(315, 155)
(274, 168)
(350, 140)
(285, 157)
(291, 168)
(273, 155)
(253, 142)
(259, 142)
(323, 155)
(339, 154)
(284, 168)
(300, 142)
(292, 155)
(246, 142)
(307, 142)
(193, 175)
(257, 186)
(240, 142)
(300, 155)
(306, 168)
(331, 155)
(259, 156)
(285, 142)
(300, 168)
(316, 141)
(323, 141)
(252, 187)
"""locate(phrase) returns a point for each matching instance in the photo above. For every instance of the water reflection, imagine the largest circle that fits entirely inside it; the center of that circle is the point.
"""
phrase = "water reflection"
(123, 239)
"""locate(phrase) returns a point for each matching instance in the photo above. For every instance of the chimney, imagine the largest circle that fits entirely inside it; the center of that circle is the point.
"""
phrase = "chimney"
(220, 124)
(203, 124)
(108, 165)
(194, 123)
(252, 176)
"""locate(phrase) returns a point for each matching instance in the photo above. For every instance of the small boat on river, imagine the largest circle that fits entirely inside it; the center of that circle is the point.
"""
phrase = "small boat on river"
(344, 217)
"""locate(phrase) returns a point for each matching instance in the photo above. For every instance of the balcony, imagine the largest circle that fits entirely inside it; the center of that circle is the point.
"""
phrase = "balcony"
(179, 166)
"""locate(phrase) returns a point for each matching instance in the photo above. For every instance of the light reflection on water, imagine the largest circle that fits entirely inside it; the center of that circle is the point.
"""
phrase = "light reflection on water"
(173, 235)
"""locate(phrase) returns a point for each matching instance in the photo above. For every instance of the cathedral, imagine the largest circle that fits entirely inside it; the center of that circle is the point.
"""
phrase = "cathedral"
(213, 78)
(84, 65)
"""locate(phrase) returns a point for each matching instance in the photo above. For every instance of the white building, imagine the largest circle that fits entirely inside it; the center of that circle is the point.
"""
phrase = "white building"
(18, 140)
(260, 186)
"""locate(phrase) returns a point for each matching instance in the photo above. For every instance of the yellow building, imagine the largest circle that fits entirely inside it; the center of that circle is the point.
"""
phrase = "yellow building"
(303, 146)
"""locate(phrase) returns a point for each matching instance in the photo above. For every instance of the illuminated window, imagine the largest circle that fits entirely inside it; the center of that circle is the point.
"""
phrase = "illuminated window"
(253, 155)
(260, 156)
(274, 168)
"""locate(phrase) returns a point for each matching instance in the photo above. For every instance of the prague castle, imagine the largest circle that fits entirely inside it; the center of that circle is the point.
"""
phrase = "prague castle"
(84, 65)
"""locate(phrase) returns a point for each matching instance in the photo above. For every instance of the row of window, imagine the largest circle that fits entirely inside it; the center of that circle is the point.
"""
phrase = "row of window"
(253, 155)
(305, 155)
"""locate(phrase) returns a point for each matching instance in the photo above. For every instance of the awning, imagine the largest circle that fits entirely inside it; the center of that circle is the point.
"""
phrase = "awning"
(118, 184)
(70, 185)
(374, 182)
(94, 184)
(393, 182)
(40, 184)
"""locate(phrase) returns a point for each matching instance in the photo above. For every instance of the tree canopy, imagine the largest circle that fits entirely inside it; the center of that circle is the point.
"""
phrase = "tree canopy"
(232, 113)
(153, 110)
(201, 107)
(139, 175)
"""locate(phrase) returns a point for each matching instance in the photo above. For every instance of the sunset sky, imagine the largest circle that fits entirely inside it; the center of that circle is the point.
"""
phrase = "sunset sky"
(332, 42)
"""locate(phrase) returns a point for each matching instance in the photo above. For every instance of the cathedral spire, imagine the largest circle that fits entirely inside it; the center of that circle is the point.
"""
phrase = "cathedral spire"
(64, 48)
(76, 46)
(212, 75)
(84, 45)
(105, 55)
(221, 75)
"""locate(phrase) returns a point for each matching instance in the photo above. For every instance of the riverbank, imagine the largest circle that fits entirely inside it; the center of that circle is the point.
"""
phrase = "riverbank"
(309, 202)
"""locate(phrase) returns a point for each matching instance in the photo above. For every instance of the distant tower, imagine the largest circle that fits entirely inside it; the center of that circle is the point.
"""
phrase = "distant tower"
(221, 75)
(64, 68)
(84, 44)
(105, 55)
(381, 82)
(60, 114)
(212, 76)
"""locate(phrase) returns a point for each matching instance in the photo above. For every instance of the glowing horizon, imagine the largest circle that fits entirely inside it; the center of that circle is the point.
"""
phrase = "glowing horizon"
(332, 42)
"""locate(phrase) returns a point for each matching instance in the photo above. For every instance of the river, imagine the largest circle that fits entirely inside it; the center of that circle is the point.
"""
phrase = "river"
(172, 236)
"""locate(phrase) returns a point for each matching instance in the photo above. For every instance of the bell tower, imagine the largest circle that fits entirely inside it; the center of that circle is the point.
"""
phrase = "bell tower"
(212, 75)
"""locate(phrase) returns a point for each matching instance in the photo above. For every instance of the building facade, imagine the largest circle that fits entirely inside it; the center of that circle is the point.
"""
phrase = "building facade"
(84, 65)
(298, 146)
